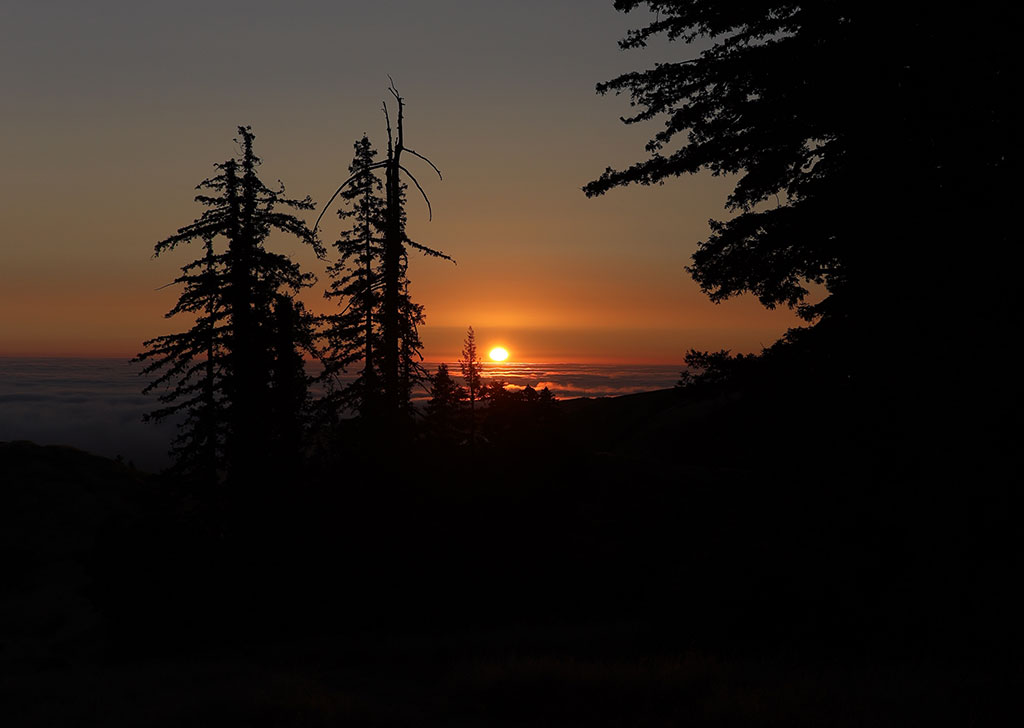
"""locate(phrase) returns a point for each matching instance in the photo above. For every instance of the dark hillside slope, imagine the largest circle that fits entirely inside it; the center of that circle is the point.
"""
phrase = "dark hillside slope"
(88, 546)
(55, 502)
(650, 561)
(845, 507)
(725, 429)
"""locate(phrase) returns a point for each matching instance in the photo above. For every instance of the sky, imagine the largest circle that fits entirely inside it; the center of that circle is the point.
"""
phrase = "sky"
(112, 112)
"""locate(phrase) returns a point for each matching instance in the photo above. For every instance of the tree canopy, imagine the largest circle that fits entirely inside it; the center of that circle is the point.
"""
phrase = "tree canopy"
(237, 374)
(397, 353)
(353, 335)
(861, 138)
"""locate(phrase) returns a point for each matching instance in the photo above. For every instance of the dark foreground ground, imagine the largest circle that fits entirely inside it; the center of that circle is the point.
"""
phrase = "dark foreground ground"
(638, 561)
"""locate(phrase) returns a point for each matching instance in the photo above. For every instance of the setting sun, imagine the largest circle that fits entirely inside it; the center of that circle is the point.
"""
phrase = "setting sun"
(499, 354)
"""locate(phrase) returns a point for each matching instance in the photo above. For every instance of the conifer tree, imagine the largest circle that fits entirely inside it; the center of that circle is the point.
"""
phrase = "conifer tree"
(410, 348)
(471, 366)
(353, 335)
(190, 367)
(397, 367)
(850, 176)
(289, 400)
(244, 345)
(446, 398)
(398, 355)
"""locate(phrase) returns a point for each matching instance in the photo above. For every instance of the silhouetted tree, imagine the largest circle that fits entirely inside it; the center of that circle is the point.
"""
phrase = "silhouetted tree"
(289, 394)
(399, 350)
(258, 326)
(190, 366)
(445, 404)
(353, 335)
(859, 140)
(496, 394)
(400, 315)
(710, 368)
(410, 347)
(471, 366)
(517, 418)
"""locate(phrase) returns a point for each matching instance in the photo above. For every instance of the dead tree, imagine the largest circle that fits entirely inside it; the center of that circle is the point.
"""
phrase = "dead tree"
(395, 340)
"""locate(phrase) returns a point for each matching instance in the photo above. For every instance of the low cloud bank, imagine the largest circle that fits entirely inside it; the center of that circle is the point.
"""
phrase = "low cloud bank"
(97, 404)
(92, 404)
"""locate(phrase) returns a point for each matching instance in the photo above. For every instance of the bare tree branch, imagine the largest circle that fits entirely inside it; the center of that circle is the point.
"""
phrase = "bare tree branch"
(399, 145)
(430, 211)
(378, 165)
(387, 122)
(429, 251)
(417, 154)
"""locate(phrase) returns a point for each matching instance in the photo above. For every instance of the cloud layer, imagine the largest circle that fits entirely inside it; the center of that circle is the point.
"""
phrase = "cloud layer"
(97, 404)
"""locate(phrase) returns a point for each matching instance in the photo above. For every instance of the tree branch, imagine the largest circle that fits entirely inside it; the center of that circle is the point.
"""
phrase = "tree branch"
(429, 251)
(417, 154)
(430, 211)
(387, 123)
(344, 184)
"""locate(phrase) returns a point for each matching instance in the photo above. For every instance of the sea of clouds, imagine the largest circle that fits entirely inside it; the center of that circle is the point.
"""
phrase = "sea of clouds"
(92, 404)
(97, 404)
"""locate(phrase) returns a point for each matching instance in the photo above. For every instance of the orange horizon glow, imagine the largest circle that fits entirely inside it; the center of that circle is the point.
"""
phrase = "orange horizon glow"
(560, 277)
(444, 343)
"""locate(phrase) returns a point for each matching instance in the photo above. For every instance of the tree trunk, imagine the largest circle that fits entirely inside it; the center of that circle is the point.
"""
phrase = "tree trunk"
(393, 246)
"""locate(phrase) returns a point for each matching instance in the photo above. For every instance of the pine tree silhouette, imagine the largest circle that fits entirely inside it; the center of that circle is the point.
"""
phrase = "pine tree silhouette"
(471, 366)
(237, 374)
(443, 408)
(850, 177)
(192, 367)
(398, 354)
(353, 335)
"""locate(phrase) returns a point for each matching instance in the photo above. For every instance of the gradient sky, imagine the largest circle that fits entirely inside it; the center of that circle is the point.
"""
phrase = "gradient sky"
(112, 112)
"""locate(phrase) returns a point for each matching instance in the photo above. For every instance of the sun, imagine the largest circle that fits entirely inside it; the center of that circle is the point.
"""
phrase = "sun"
(499, 353)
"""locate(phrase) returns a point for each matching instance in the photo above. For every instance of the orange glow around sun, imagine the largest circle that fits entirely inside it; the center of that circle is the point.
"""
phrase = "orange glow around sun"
(499, 353)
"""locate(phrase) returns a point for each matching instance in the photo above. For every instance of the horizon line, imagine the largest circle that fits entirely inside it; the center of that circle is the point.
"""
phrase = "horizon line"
(602, 360)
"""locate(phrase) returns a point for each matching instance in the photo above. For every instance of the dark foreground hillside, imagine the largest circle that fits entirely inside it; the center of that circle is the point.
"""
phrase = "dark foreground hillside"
(644, 560)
